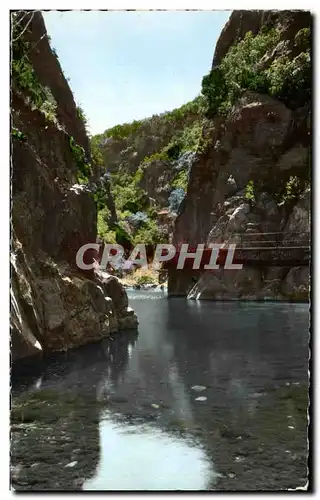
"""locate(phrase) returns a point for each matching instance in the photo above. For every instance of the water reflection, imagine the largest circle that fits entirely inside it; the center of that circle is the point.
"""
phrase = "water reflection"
(143, 457)
(150, 426)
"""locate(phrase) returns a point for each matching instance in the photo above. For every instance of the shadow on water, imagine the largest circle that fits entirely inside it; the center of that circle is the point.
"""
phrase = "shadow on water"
(253, 361)
(55, 414)
(208, 396)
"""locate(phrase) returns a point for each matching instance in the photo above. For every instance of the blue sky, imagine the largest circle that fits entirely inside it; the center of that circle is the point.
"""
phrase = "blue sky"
(129, 65)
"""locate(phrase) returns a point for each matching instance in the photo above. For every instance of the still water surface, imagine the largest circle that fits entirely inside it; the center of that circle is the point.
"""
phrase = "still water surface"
(206, 396)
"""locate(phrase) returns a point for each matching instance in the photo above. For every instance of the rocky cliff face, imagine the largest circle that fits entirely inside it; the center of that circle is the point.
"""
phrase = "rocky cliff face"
(243, 183)
(288, 23)
(54, 306)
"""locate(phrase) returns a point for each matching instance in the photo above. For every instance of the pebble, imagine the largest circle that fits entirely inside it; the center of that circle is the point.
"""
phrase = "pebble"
(155, 406)
(290, 427)
(231, 475)
(201, 398)
(198, 388)
(72, 464)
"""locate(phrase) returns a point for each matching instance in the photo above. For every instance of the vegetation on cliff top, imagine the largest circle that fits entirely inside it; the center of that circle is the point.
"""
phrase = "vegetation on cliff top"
(251, 65)
(124, 130)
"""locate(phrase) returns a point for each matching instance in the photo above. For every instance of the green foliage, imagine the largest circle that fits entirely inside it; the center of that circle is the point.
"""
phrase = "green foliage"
(191, 136)
(293, 189)
(288, 80)
(149, 234)
(24, 79)
(84, 168)
(96, 151)
(99, 195)
(158, 156)
(169, 153)
(303, 39)
(145, 279)
(124, 130)
(215, 90)
(196, 106)
(173, 150)
(289, 188)
(137, 177)
(23, 75)
(123, 238)
(250, 191)
(181, 180)
(103, 229)
(126, 193)
(19, 135)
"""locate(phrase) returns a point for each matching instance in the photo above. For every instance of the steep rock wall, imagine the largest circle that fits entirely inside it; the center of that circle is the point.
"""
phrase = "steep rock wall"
(262, 141)
(55, 306)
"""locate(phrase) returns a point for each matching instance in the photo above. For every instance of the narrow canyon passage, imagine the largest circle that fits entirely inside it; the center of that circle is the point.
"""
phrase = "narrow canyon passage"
(129, 376)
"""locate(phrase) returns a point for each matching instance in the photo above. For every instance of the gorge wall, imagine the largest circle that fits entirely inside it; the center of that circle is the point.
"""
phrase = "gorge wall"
(254, 176)
(54, 306)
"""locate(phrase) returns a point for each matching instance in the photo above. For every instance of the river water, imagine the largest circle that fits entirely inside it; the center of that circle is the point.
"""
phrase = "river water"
(206, 396)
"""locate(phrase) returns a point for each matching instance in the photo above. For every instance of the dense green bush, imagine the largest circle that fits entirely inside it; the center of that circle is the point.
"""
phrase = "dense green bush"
(191, 136)
(126, 193)
(292, 189)
(96, 150)
(122, 236)
(250, 193)
(18, 135)
(290, 80)
(241, 69)
(158, 156)
(194, 107)
(103, 229)
(149, 234)
(124, 130)
(303, 39)
(181, 180)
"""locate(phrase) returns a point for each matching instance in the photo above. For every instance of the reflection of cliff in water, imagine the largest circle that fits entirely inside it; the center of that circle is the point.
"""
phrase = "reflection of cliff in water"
(243, 427)
(254, 421)
(55, 415)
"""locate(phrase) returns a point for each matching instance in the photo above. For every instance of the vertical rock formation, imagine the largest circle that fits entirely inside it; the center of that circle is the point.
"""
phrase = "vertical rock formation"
(263, 141)
(54, 305)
